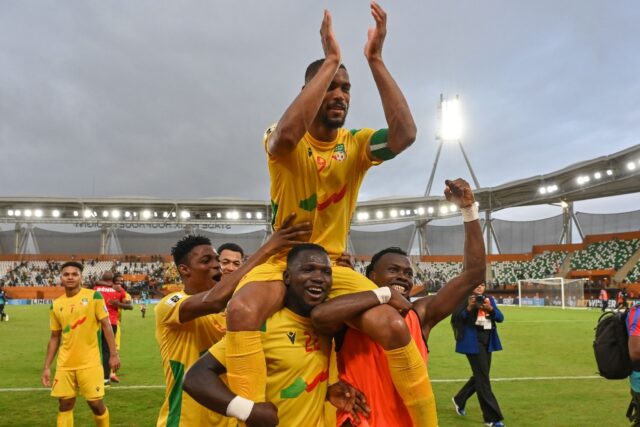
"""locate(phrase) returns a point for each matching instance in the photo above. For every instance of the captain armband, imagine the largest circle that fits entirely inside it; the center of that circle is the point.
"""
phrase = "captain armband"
(378, 144)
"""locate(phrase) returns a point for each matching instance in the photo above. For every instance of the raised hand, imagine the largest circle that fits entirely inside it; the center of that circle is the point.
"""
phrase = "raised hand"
(376, 35)
(459, 193)
(263, 414)
(329, 42)
(288, 235)
(399, 302)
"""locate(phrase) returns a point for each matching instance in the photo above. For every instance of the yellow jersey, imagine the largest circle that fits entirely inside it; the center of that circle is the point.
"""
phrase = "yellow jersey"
(297, 368)
(79, 319)
(181, 344)
(319, 181)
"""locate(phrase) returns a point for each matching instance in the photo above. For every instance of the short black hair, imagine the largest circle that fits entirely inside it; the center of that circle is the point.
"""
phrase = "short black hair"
(377, 256)
(75, 264)
(313, 68)
(230, 247)
(304, 247)
(185, 245)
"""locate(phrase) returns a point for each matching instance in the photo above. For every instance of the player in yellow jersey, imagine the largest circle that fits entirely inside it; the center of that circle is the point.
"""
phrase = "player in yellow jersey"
(297, 357)
(126, 304)
(190, 321)
(76, 321)
(316, 168)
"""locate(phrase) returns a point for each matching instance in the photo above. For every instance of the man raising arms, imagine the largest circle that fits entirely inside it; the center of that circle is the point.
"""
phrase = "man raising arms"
(75, 320)
(316, 168)
(362, 362)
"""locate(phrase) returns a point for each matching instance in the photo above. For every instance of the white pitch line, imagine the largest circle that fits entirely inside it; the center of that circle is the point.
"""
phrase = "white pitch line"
(450, 380)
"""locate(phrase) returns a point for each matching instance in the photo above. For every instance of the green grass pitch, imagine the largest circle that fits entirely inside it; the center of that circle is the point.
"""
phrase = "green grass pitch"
(542, 347)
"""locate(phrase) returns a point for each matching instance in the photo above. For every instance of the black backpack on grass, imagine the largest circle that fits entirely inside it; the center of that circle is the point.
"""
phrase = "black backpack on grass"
(611, 346)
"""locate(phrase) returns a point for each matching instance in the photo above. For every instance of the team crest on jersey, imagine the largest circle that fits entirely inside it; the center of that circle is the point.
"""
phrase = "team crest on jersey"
(339, 153)
(85, 301)
(174, 300)
(292, 337)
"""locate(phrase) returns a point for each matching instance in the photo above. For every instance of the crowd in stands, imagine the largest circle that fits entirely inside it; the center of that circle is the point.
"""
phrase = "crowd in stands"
(610, 254)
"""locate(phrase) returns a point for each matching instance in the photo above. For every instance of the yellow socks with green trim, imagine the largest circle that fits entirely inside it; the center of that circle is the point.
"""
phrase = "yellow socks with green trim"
(409, 374)
(65, 419)
(246, 365)
(102, 420)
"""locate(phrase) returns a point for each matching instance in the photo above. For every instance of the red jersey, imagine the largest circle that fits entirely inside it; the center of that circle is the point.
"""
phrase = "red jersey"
(109, 294)
(363, 364)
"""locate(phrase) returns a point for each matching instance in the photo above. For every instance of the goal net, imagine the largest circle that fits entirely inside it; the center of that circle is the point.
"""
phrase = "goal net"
(551, 292)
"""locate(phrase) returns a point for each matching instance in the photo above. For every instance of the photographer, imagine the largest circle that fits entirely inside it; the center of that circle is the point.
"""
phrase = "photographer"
(474, 326)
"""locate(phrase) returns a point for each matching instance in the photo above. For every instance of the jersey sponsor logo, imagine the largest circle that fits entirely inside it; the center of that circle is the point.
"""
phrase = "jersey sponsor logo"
(339, 153)
(173, 300)
(292, 337)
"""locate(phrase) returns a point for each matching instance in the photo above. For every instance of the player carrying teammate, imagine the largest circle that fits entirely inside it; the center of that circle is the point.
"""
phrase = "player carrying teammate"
(316, 168)
(76, 319)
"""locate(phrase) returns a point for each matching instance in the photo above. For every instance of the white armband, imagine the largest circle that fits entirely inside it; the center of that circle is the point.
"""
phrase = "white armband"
(470, 213)
(240, 408)
(383, 294)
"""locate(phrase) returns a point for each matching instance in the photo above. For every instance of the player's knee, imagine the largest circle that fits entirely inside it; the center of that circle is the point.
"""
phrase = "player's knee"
(97, 406)
(65, 405)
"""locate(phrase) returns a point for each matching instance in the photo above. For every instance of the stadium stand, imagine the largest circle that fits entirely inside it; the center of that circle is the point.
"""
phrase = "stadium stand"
(612, 254)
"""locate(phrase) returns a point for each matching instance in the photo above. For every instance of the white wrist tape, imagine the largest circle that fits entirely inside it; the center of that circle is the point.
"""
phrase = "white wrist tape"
(470, 213)
(240, 408)
(383, 294)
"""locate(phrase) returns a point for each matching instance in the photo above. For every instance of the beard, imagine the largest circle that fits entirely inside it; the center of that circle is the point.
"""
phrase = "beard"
(333, 122)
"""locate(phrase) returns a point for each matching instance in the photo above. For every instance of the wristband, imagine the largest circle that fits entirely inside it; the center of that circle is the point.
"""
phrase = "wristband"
(383, 294)
(470, 213)
(240, 408)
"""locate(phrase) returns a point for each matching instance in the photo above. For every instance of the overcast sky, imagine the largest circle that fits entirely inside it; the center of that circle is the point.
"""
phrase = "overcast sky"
(170, 99)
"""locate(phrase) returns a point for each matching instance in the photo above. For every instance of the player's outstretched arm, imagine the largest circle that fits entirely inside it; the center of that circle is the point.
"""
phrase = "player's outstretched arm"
(52, 349)
(215, 300)
(433, 309)
(202, 382)
(402, 127)
(330, 316)
(114, 358)
(297, 119)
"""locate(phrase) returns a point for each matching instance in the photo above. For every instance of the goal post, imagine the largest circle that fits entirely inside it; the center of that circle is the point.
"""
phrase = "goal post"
(551, 292)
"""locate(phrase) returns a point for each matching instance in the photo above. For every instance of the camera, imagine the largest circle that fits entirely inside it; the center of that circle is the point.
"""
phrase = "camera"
(480, 300)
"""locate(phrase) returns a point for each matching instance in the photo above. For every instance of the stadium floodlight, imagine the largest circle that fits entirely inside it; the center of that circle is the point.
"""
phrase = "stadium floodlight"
(420, 210)
(56, 213)
(453, 208)
(146, 214)
(38, 213)
(10, 212)
(232, 215)
(127, 214)
(444, 209)
(135, 214)
(631, 166)
(564, 204)
(28, 213)
(219, 215)
(430, 209)
(552, 188)
(165, 214)
(208, 214)
(609, 172)
(450, 120)
(105, 214)
(258, 215)
(17, 212)
(543, 190)
(185, 214)
(402, 212)
(173, 214)
(115, 213)
(155, 214)
(248, 215)
(597, 175)
(393, 213)
(379, 214)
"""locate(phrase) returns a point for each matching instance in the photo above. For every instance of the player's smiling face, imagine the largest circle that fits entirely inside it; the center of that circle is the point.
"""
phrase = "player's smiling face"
(71, 277)
(394, 271)
(203, 268)
(309, 280)
(335, 105)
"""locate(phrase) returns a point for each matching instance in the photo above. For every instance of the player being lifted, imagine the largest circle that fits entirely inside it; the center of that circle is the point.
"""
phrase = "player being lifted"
(316, 168)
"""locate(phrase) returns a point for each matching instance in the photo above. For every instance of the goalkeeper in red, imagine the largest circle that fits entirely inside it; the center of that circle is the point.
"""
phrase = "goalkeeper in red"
(316, 168)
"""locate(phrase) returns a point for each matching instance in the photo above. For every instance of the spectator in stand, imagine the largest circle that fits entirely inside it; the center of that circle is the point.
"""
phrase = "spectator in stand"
(114, 299)
(476, 336)
(231, 257)
(622, 299)
(604, 298)
(3, 301)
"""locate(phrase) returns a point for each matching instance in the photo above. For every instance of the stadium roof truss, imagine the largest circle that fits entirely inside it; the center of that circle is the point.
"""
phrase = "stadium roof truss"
(611, 175)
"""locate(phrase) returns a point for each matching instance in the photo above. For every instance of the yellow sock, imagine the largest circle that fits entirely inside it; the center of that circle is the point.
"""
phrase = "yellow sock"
(410, 376)
(65, 419)
(246, 365)
(102, 420)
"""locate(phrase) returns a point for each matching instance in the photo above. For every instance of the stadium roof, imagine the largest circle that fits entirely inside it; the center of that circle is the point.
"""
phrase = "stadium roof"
(611, 175)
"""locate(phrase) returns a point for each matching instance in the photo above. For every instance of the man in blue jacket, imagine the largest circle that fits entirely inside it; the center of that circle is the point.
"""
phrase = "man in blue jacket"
(477, 337)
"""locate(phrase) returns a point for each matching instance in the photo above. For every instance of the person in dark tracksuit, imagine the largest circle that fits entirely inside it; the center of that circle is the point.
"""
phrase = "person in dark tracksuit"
(476, 335)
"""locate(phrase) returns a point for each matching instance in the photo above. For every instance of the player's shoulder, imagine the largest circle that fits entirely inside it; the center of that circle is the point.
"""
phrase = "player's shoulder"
(170, 301)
